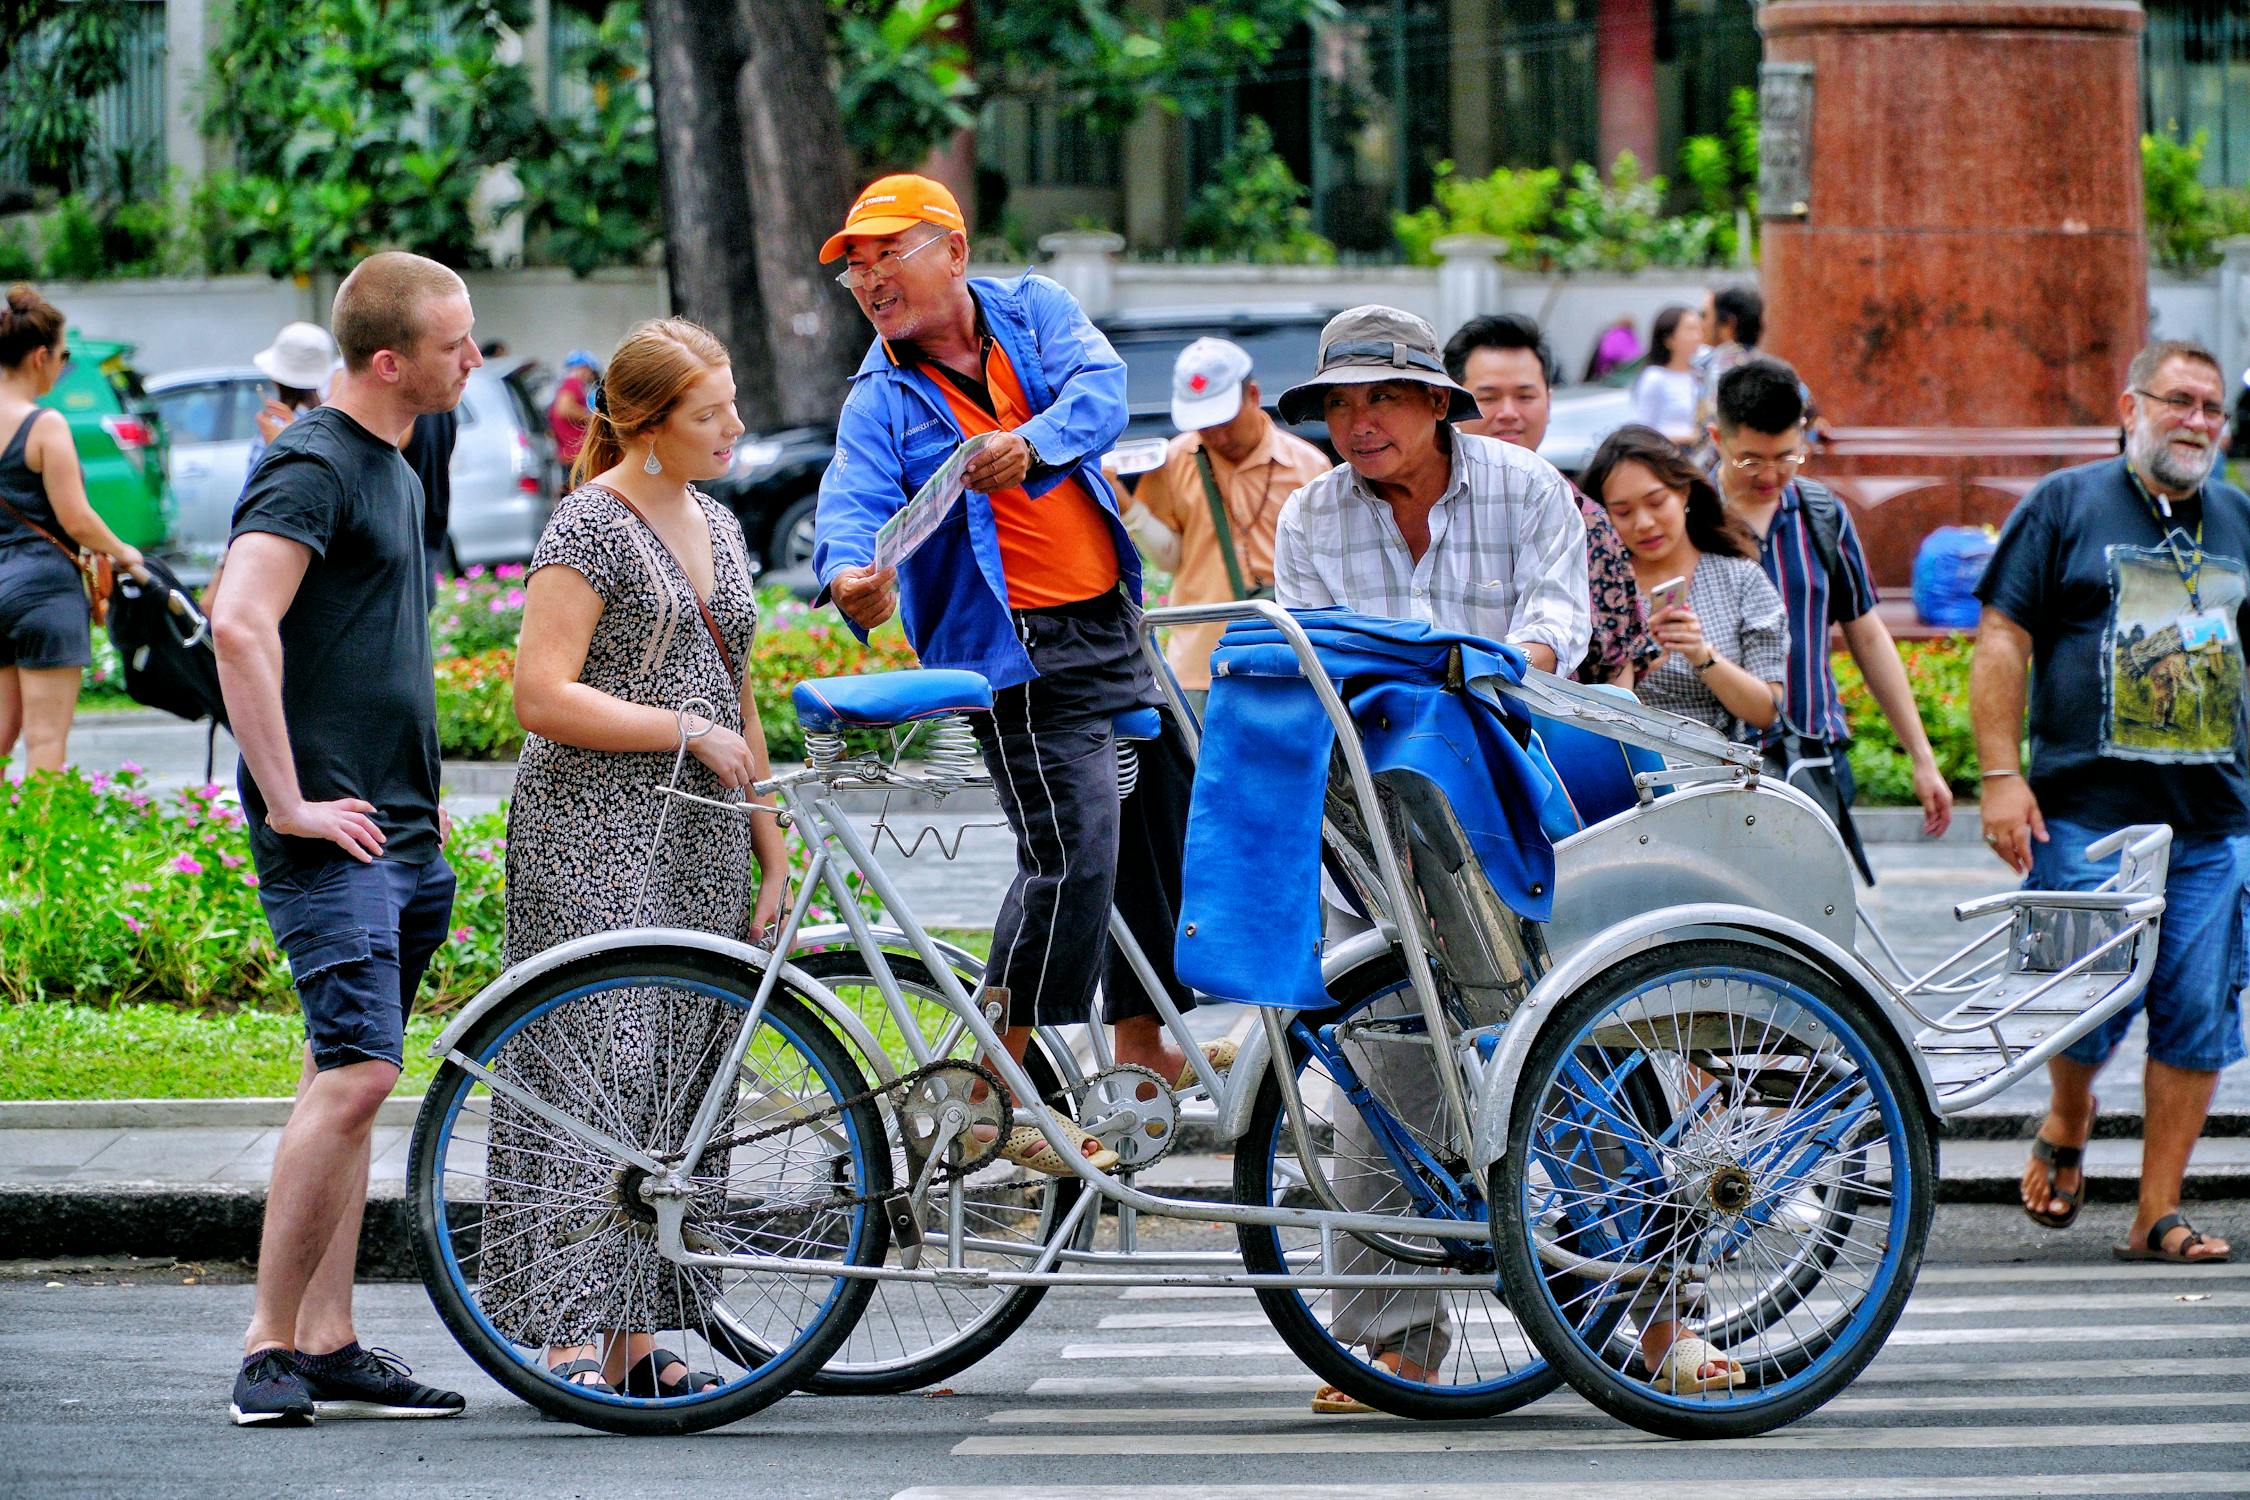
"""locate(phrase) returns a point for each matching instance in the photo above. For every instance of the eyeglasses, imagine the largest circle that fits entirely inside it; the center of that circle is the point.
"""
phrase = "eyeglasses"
(1788, 463)
(2184, 407)
(882, 268)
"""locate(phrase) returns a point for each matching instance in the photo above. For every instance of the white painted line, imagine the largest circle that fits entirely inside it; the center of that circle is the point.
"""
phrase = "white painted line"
(1418, 1438)
(1874, 1487)
(1902, 1338)
(1571, 1405)
(2109, 1273)
(1885, 1371)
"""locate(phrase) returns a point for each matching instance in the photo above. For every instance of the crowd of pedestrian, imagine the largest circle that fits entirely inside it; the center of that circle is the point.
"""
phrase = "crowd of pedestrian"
(1693, 563)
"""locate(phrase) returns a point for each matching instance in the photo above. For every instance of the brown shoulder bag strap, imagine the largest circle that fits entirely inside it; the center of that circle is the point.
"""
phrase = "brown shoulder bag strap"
(710, 623)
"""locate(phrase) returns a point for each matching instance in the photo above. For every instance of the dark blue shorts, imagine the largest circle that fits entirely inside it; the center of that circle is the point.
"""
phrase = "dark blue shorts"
(44, 621)
(2193, 1000)
(358, 938)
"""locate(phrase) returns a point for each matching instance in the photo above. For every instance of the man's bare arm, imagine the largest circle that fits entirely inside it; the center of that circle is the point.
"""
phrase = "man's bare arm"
(263, 575)
(1997, 673)
(1869, 640)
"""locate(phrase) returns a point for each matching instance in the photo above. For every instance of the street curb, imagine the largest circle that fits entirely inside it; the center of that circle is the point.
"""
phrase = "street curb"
(1195, 1139)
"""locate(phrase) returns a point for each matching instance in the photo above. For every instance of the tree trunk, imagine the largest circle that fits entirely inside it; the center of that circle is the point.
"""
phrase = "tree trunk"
(696, 53)
(799, 174)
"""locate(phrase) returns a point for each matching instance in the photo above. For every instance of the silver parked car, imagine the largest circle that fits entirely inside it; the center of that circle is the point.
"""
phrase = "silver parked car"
(504, 472)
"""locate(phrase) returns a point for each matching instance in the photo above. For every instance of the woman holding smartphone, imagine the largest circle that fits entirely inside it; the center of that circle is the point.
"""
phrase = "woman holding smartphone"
(1711, 607)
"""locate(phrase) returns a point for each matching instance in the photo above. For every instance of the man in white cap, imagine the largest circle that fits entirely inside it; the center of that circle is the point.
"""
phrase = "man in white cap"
(1208, 514)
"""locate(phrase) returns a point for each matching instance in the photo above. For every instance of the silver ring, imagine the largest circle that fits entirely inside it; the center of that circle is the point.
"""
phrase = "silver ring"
(1992, 839)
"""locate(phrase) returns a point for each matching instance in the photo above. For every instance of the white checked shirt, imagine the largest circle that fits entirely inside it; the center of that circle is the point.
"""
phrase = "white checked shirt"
(1506, 560)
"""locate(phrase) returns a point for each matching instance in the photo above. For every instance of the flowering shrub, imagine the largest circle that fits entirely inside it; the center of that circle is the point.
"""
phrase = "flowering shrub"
(1938, 671)
(476, 706)
(477, 612)
(796, 642)
(111, 892)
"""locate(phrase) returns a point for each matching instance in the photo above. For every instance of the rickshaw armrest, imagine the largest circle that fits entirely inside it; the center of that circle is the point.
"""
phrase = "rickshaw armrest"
(2138, 908)
(2145, 840)
(1549, 696)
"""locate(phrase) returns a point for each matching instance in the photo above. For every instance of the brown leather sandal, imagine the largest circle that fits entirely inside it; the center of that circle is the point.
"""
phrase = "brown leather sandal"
(2059, 1159)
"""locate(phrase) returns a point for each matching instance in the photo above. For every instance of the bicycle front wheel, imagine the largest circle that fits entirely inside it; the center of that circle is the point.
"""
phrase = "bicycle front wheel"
(537, 1236)
(1766, 1185)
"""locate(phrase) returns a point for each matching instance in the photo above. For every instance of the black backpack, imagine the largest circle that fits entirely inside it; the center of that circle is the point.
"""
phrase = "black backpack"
(165, 641)
(1824, 522)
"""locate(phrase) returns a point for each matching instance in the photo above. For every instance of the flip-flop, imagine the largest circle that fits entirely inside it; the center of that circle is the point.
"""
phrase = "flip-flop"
(2155, 1245)
(1680, 1373)
(1027, 1146)
(1331, 1402)
(1221, 1056)
(2059, 1159)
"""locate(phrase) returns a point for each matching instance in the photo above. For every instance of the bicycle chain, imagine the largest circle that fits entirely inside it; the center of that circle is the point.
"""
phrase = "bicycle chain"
(836, 1109)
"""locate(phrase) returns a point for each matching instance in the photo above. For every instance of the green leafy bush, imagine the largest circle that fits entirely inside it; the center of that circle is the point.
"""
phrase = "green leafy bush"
(1254, 208)
(1511, 204)
(1938, 671)
(1594, 223)
(476, 706)
(2186, 219)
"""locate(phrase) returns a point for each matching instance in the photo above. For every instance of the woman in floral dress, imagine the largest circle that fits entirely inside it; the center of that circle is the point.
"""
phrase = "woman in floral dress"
(640, 599)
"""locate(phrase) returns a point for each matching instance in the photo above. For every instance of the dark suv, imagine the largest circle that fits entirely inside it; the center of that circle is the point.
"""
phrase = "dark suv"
(775, 481)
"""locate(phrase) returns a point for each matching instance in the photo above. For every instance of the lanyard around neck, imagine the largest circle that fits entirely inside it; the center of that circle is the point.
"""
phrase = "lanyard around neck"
(2190, 568)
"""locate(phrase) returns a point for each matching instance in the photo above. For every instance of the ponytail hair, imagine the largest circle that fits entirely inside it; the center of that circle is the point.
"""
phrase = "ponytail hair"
(28, 323)
(649, 371)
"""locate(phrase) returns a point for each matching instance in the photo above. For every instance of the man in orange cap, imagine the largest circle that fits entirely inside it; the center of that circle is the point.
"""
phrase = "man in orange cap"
(1032, 582)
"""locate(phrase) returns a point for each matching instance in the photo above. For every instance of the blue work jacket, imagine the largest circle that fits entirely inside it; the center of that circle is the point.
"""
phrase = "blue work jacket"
(896, 429)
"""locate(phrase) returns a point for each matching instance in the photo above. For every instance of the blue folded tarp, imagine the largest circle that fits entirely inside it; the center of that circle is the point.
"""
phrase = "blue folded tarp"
(1250, 918)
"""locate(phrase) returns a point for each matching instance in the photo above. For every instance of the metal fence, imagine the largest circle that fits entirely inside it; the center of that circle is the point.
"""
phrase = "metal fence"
(2195, 69)
(128, 137)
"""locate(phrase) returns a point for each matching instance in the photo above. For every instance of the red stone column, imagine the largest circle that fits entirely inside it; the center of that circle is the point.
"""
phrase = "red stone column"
(1625, 81)
(1968, 277)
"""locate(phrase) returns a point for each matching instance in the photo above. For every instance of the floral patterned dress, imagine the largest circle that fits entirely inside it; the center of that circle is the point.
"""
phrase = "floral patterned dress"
(580, 828)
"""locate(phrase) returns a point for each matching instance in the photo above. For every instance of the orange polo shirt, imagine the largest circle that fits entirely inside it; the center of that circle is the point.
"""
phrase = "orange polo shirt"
(1058, 548)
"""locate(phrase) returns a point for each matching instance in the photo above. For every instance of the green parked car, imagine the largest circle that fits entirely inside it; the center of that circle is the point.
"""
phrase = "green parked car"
(120, 440)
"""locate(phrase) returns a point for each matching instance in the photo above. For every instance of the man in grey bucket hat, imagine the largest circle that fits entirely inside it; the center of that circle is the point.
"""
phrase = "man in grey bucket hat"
(1419, 522)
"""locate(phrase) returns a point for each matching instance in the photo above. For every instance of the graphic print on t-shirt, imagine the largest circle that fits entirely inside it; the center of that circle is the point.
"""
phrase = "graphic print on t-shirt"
(2172, 673)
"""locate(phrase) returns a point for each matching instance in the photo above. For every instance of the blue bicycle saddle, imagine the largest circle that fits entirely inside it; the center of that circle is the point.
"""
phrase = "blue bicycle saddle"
(877, 700)
(1142, 723)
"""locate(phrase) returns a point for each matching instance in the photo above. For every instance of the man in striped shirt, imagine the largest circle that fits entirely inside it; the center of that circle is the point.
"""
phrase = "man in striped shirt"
(1812, 554)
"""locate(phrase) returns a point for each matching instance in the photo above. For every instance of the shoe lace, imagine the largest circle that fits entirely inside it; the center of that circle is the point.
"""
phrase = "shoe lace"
(384, 1360)
(272, 1364)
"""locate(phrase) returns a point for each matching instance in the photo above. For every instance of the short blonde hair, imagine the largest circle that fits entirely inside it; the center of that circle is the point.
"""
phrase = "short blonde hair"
(379, 305)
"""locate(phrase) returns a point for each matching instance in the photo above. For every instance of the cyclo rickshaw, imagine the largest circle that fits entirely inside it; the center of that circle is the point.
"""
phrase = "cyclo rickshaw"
(1540, 1108)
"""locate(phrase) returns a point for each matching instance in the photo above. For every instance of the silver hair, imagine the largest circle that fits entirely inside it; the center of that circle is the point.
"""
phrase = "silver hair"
(2146, 363)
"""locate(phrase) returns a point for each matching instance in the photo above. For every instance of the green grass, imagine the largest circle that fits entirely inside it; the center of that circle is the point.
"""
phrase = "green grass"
(56, 1050)
(50, 1050)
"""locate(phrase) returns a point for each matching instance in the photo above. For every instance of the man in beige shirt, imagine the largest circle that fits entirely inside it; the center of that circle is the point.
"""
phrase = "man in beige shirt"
(1256, 467)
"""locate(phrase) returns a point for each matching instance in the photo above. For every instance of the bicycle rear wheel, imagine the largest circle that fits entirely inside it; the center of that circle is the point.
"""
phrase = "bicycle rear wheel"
(533, 1235)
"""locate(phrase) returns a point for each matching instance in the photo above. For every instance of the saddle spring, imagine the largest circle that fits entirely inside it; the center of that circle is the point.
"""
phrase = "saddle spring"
(823, 749)
(1128, 769)
(950, 755)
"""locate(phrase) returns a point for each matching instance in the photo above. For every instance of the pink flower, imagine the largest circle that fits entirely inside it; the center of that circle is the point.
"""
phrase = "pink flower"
(515, 598)
(507, 571)
(131, 768)
(136, 925)
(231, 861)
(187, 865)
(460, 934)
(212, 790)
(475, 570)
(498, 605)
(250, 881)
(140, 800)
(99, 781)
(139, 886)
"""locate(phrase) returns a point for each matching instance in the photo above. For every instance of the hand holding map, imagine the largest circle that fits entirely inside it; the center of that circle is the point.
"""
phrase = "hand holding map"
(932, 503)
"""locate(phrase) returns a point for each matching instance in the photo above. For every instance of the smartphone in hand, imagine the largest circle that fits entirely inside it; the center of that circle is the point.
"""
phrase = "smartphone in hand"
(1671, 592)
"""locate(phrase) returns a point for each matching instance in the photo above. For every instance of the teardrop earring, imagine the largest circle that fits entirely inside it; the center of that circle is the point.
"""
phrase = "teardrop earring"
(652, 466)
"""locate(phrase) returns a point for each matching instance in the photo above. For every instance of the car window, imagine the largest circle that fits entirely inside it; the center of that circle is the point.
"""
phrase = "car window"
(1280, 355)
(198, 413)
(249, 399)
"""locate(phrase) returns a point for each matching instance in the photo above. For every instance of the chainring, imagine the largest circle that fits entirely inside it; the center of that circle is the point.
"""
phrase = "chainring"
(932, 1090)
(1144, 1113)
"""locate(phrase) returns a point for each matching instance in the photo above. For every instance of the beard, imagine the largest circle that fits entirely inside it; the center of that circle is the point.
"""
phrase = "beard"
(428, 391)
(2153, 454)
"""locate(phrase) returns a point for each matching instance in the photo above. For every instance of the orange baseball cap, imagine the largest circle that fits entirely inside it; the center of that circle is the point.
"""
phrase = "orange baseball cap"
(893, 203)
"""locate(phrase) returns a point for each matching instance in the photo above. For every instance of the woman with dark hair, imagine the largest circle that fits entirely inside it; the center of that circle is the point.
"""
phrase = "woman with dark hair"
(1711, 607)
(1665, 390)
(46, 635)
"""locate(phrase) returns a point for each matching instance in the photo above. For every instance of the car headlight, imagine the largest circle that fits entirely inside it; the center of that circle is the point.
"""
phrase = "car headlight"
(754, 454)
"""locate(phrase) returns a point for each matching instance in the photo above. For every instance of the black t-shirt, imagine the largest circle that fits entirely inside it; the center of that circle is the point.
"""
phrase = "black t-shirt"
(357, 691)
(429, 453)
(2137, 689)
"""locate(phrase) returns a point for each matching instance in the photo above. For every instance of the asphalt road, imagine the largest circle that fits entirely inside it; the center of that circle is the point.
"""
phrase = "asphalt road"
(115, 1385)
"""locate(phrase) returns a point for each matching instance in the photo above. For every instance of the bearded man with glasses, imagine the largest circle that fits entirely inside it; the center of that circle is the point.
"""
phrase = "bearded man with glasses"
(1811, 552)
(2123, 588)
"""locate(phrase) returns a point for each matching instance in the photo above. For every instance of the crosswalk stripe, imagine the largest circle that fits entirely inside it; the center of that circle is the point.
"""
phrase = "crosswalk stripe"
(1561, 1404)
(1885, 1370)
(1901, 1338)
(1420, 1438)
(1840, 1487)
(2108, 1274)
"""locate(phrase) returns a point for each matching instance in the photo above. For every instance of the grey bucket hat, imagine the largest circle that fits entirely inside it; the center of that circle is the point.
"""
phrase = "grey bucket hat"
(1363, 345)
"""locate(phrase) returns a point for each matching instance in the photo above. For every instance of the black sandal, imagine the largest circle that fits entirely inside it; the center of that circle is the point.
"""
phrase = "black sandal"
(2059, 1159)
(643, 1378)
(2179, 1257)
(568, 1375)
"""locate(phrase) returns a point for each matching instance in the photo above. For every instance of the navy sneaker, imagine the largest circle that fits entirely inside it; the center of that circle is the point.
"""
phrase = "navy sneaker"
(357, 1382)
(269, 1392)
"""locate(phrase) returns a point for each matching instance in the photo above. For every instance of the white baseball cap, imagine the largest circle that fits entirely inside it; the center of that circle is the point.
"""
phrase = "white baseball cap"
(300, 356)
(1207, 384)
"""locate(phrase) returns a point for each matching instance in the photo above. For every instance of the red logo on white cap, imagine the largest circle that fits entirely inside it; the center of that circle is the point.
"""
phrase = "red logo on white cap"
(1196, 383)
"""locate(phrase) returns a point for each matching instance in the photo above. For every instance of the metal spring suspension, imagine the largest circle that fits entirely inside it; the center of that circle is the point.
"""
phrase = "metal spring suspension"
(950, 755)
(823, 749)
(1128, 769)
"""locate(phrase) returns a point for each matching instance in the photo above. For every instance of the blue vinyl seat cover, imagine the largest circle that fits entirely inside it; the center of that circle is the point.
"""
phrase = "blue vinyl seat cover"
(1593, 774)
(1142, 723)
(876, 700)
(1250, 907)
